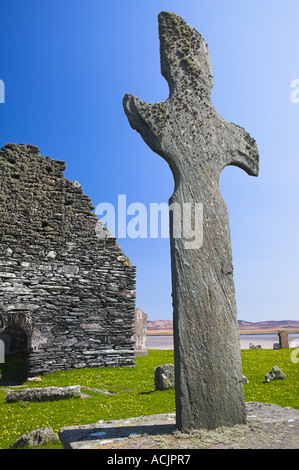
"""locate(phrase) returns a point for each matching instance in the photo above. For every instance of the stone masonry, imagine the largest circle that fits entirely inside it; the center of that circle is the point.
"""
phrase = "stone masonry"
(64, 281)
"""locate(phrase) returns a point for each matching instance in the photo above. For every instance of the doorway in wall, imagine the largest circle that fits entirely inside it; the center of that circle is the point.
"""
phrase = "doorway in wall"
(14, 370)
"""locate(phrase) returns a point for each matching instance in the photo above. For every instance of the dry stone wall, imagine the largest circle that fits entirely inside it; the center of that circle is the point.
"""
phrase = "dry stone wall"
(70, 290)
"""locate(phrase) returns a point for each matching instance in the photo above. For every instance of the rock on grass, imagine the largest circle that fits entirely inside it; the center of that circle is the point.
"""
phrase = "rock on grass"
(35, 438)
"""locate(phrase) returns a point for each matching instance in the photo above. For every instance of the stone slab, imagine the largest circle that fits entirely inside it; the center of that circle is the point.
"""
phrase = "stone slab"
(44, 394)
(262, 418)
(140, 329)
(283, 339)
(94, 435)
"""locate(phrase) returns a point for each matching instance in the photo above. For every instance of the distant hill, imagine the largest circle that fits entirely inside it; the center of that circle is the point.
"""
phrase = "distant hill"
(266, 327)
(165, 327)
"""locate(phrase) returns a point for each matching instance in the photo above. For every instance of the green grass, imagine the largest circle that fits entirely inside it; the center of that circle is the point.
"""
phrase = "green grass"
(280, 392)
(135, 394)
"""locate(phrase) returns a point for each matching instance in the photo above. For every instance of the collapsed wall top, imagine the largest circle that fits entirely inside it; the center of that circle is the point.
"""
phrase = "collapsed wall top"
(63, 279)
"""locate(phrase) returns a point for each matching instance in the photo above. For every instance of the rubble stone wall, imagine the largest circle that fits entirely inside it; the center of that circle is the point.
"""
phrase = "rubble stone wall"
(72, 292)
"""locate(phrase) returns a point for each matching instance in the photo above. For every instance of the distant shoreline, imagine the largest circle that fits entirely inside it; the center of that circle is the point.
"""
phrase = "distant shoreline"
(266, 341)
(244, 333)
(241, 334)
(165, 327)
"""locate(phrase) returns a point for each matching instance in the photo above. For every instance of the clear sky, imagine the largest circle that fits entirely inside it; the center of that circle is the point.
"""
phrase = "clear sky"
(67, 64)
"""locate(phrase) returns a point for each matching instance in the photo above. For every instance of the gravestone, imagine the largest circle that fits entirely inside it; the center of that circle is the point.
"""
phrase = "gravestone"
(197, 143)
(140, 329)
(283, 339)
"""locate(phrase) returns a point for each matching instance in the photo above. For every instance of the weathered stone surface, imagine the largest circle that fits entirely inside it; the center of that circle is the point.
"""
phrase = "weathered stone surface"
(56, 271)
(140, 329)
(283, 339)
(35, 438)
(164, 377)
(103, 432)
(275, 374)
(197, 143)
(44, 394)
(268, 427)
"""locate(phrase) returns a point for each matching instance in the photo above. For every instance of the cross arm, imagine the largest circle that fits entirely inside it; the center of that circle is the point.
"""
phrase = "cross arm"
(150, 120)
(242, 150)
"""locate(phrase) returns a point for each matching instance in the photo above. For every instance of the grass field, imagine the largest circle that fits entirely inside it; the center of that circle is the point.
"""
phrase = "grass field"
(134, 393)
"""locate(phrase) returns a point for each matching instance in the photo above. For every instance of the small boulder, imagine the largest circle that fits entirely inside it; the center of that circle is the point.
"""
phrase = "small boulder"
(35, 438)
(164, 377)
(275, 374)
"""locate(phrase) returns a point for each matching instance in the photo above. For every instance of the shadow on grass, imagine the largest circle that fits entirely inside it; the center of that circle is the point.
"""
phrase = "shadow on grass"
(154, 391)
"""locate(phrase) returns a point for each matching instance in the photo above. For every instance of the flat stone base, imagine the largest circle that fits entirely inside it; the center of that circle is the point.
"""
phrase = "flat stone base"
(269, 426)
(106, 432)
(141, 352)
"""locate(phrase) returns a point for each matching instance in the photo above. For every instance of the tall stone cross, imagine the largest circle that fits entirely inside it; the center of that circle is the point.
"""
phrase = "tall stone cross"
(197, 143)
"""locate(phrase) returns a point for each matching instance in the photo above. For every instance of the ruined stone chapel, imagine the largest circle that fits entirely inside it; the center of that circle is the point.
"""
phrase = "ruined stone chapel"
(67, 291)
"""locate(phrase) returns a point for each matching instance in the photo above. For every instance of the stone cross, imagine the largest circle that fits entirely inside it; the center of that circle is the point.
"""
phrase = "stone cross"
(197, 143)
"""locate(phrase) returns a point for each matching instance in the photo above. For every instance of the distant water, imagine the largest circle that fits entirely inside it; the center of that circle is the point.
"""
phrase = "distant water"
(159, 342)
(266, 341)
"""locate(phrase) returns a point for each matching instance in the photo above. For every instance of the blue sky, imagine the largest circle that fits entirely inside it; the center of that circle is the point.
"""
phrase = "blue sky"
(67, 64)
